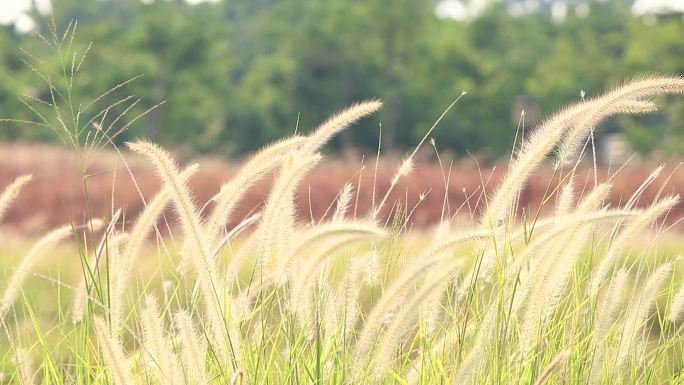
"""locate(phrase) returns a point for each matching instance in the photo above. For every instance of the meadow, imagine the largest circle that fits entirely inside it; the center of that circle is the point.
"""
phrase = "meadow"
(578, 290)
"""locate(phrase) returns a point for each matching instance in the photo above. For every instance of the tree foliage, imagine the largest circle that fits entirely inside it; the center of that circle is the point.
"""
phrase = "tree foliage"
(237, 73)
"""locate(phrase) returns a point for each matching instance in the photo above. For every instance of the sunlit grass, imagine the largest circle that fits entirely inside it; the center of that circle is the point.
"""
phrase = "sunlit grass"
(580, 292)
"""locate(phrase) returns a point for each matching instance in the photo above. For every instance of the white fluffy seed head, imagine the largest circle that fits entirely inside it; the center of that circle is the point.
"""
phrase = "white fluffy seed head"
(575, 122)
(232, 192)
(343, 201)
(605, 317)
(574, 141)
(594, 199)
(278, 220)
(372, 275)
(406, 167)
(198, 252)
(11, 192)
(635, 226)
(112, 353)
(565, 199)
(639, 312)
(338, 122)
(162, 360)
(192, 349)
(677, 306)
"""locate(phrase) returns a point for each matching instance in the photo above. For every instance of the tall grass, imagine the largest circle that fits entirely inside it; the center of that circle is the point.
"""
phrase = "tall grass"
(544, 300)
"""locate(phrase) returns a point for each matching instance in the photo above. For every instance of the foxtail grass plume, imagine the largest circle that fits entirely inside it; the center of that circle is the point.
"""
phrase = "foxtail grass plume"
(112, 353)
(263, 162)
(226, 340)
(192, 349)
(158, 353)
(11, 192)
(141, 229)
(606, 314)
(583, 117)
(677, 306)
(639, 313)
(338, 122)
(278, 219)
(639, 223)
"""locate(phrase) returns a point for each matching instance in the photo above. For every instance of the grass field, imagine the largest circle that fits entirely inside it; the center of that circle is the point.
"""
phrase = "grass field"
(579, 290)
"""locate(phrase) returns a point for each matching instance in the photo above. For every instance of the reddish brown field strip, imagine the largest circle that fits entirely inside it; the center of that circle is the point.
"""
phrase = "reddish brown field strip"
(57, 192)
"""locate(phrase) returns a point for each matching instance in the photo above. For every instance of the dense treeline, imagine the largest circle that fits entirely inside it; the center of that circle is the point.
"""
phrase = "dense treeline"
(235, 74)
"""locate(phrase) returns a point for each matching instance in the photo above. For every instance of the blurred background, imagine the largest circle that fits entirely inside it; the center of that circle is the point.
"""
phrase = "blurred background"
(236, 74)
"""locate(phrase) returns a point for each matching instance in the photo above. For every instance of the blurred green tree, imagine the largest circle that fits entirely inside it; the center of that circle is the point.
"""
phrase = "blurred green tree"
(237, 73)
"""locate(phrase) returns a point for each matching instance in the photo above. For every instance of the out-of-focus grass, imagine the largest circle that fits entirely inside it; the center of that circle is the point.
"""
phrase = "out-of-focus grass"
(49, 290)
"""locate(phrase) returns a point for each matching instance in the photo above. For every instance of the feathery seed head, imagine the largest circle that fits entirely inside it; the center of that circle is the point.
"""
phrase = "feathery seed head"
(11, 193)
(677, 306)
(339, 122)
(406, 167)
(112, 353)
